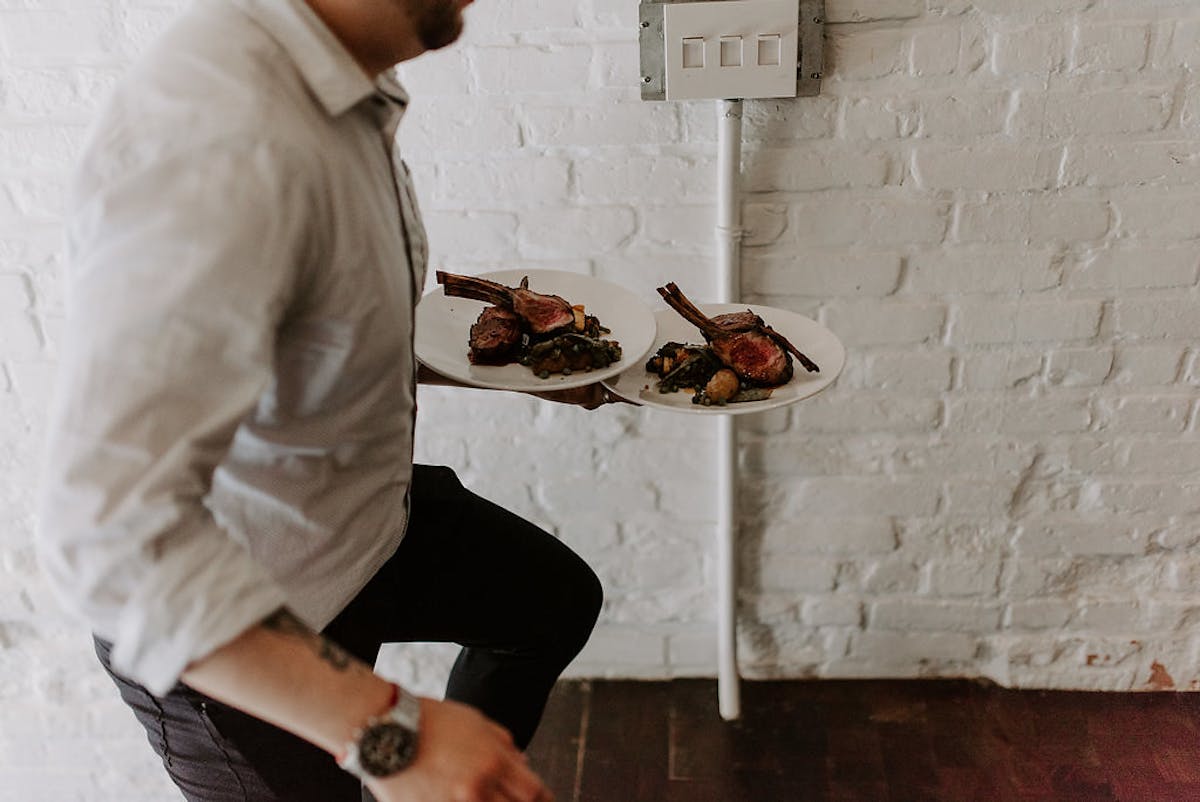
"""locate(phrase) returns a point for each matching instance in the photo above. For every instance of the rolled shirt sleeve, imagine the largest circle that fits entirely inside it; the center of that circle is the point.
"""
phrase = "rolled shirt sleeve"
(182, 268)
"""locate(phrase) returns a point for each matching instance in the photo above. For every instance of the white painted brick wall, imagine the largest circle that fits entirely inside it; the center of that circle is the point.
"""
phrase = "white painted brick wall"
(992, 203)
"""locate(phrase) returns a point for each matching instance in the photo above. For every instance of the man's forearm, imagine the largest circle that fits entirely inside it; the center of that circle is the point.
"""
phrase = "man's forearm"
(283, 672)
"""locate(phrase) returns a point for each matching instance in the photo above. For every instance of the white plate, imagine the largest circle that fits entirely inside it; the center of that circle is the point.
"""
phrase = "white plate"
(444, 326)
(814, 340)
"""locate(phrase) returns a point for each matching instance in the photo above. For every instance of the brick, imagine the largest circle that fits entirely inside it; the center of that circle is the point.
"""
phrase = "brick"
(1064, 220)
(1062, 114)
(442, 72)
(977, 577)
(877, 222)
(525, 70)
(33, 35)
(1119, 47)
(472, 234)
(969, 115)
(865, 55)
(837, 611)
(936, 50)
(1000, 369)
(1003, 218)
(833, 413)
(1170, 457)
(791, 120)
(1146, 364)
(1170, 163)
(1141, 497)
(1071, 537)
(500, 184)
(763, 223)
(1159, 317)
(994, 167)
(664, 178)
(1031, 50)
(970, 497)
(891, 323)
(938, 616)
(1141, 268)
(908, 372)
(1079, 367)
(446, 123)
(792, 572)
(631, 123)
(696, 650)
(874, 118)
(1039, 614)
(1108, 617)
(814, 534)
(832, 166)
(616, 65)
(978, 270)
(501, 20)
(1144, 414)
(873, 10)
(1160, 215)
(891, 648)
(64, 93)
(822, 273)
(977, 324)
(861, 496)
(574, 231)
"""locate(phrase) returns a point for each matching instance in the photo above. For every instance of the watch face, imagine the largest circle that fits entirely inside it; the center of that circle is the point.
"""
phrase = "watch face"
(386, 748)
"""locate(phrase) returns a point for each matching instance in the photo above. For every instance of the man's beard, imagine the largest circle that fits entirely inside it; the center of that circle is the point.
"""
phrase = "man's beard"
(438, 23)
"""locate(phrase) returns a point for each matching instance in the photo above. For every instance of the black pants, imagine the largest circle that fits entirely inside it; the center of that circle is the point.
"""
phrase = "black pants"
(520, 603)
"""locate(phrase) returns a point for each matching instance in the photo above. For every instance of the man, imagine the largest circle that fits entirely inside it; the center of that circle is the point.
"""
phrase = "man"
(230, 499)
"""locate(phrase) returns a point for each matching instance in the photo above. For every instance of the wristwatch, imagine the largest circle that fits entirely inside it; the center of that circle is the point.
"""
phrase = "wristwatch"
(386, 744)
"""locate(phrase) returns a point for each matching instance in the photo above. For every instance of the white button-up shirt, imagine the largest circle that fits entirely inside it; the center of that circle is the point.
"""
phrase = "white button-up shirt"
(234, 420)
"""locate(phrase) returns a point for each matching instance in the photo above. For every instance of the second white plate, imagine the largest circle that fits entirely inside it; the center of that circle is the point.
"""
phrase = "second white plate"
(817, 343)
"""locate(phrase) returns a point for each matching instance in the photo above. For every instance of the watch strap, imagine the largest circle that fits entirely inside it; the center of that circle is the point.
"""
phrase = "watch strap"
(404, 710)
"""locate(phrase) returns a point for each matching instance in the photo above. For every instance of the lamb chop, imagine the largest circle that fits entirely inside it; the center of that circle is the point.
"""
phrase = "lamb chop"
(540, 314)
(494, 336)
(742, 341)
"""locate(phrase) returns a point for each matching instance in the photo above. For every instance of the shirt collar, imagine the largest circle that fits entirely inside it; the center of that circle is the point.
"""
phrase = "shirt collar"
(331, 73)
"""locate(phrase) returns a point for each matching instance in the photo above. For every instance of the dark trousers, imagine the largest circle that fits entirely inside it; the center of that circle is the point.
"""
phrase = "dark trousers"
(520, 603)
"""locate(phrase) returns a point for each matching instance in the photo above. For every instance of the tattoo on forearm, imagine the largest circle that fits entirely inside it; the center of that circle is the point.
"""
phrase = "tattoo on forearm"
(285, 622)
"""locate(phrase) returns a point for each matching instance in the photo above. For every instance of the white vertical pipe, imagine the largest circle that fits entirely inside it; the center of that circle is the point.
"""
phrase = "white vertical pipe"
(729, 244)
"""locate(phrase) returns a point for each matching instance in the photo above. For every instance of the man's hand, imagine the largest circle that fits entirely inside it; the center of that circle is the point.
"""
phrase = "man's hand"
(592, 396)
(462, 757)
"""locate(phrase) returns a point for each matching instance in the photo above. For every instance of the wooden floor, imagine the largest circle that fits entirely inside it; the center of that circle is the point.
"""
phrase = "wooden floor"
(836, 741)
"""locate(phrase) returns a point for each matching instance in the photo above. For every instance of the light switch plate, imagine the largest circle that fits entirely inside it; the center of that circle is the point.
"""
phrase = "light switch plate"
(807, 48)
(731, 49)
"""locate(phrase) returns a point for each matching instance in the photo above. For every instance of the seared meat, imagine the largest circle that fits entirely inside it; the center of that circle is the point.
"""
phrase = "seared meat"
(494, 336)
(540, 314)
(742, 341)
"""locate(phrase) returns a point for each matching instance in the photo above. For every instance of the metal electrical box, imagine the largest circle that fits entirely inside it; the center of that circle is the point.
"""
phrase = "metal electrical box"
(731, 49)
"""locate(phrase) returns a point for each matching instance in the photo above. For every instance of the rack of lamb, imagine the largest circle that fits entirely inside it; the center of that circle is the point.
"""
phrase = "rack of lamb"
(545, 333)
(743, 361)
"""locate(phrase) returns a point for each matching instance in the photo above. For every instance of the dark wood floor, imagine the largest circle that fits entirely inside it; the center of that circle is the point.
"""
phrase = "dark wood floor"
(866, 741)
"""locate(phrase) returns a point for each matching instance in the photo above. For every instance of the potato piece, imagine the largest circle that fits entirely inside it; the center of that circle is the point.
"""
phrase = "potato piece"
(722, 386)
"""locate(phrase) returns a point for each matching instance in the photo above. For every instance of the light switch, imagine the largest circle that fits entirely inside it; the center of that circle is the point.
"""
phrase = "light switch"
(768, 50)
(731, 51)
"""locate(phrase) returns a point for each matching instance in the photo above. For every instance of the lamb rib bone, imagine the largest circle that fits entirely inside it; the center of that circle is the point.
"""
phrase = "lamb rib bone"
(541, 314)
(742, 341)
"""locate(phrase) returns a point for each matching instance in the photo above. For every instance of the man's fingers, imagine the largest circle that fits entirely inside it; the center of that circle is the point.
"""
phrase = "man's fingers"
(522, 785)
